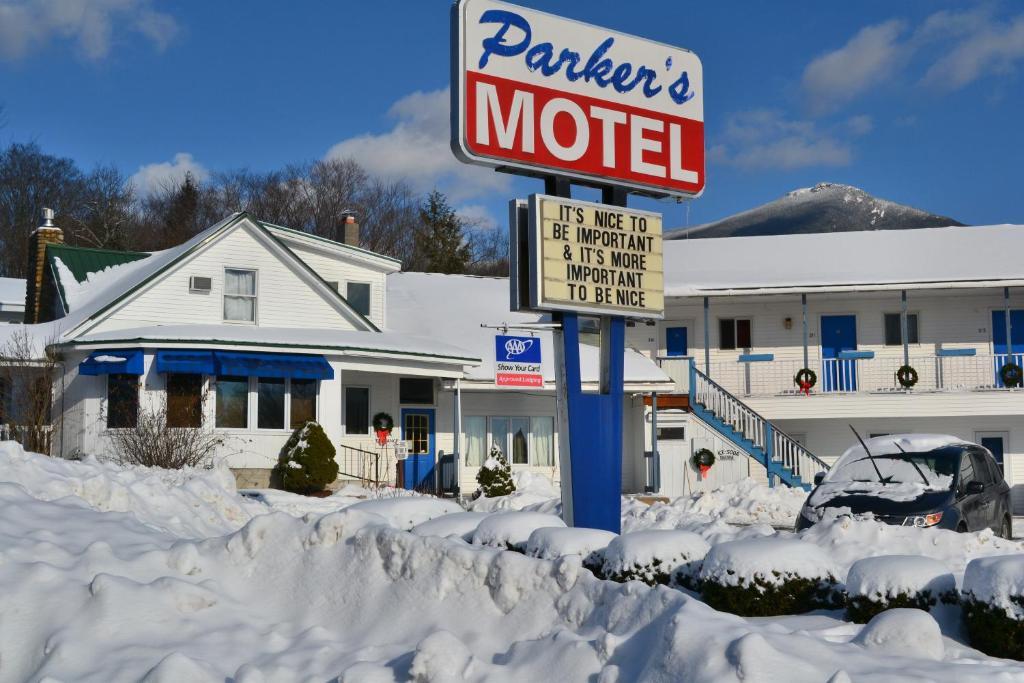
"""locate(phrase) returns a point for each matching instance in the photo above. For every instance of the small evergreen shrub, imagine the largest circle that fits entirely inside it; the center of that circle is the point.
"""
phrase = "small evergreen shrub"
(761, 577)
(306, 463)
(993, 605)
(655, 557)
(495, 476)
(876, 584)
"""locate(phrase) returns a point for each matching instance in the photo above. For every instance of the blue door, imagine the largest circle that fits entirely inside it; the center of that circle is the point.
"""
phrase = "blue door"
(1001, 353)
(838, 334)
(675, 341)
(418, 433)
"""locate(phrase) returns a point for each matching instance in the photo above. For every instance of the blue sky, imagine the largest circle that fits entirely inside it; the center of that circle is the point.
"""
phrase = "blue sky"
(919, 101)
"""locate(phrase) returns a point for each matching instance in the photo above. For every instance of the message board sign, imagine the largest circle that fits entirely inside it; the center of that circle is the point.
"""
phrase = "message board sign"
(517, 361)
(545, 95)
(595, 258)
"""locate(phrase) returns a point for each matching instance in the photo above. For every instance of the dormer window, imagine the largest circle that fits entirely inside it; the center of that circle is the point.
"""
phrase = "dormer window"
(358, 296)
(239, 295)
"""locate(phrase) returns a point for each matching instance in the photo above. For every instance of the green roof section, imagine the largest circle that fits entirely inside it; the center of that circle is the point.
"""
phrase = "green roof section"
(84, 260)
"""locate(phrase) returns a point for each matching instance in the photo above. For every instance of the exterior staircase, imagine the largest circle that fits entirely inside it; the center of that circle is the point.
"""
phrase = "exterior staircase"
(783, 458)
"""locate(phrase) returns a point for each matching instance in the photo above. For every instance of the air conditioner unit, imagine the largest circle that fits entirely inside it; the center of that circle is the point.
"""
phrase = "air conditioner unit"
(200, 284)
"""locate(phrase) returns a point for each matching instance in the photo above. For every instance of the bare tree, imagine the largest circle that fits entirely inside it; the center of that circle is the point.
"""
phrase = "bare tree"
(27, 375)
(152, 443)
(104, 213)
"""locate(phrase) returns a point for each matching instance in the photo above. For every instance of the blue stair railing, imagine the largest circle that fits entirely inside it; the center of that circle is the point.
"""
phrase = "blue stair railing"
(780, 454)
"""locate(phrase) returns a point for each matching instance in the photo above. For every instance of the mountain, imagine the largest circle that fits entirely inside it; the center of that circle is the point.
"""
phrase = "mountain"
(826, 207)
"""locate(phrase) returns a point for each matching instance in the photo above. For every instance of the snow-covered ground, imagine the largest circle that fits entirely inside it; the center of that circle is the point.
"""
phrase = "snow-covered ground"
(126, 575)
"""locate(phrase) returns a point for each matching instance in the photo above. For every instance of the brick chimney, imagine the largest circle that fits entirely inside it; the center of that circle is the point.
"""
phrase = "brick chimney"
(47, 233)
(351, 236)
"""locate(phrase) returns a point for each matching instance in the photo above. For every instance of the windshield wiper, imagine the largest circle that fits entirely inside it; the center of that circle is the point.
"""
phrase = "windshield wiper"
(914, 463)
(870, 457)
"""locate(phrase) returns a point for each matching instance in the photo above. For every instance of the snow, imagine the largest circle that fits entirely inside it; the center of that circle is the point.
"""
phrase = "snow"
(886, 576)
(742, 502)
(99, 284)
(895, 444)
(654, 550)
(405, 513)
(767, 560)
(512, 529)
(533, 490)
(551, 543)
(109, 359)
(458, 524)
(998, 581)
(901, 631)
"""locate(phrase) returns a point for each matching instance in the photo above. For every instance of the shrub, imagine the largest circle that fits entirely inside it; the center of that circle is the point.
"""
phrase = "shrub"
(761, 577)
(655, 557)
(551, 543)
(306, 463)
(495, 476)
(152, 443)
(876, 584)
(993, 605)
(512, 530)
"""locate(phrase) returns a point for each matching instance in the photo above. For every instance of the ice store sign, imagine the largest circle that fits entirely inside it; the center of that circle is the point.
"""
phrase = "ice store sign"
(517, 361)
(543, 94)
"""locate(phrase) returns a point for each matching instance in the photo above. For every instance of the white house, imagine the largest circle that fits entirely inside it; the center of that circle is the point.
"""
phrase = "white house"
(745, 314)
(12, 300)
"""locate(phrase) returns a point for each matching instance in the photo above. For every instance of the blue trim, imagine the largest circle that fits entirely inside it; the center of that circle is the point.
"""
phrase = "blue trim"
(419, 468)
(132, 362)
(296, 366)
(755, 357)
(950, 353)
(856, 355)
(189, 361)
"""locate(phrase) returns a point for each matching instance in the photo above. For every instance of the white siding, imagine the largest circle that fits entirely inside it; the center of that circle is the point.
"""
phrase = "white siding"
(335, 268)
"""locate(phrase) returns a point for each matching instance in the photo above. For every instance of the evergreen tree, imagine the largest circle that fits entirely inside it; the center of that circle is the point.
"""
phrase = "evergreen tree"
(306, 463)
(442, 246)
(181, 220)
(495, 477)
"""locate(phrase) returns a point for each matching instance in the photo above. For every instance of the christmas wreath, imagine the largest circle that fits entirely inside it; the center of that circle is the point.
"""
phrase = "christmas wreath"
(805, 379)
(906, 376)
(382, 426)
(1012, 375)
(702, 460)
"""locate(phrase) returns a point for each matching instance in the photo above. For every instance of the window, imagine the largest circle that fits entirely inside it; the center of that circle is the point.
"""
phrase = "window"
(981, 471)
(476, 440)
(357, 410)
(233, 402)
(240, 295)
(416, 430)
(270, 403)
(358, 296)
(966, 473)
(893, 336)
(671, 433)
(184, 400)
(542, 445)
(520, 441)
(122, 401)
(733, 334)
(303, 397)
(416, 390)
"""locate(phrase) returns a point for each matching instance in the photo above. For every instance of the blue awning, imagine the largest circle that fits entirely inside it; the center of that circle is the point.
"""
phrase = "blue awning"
(113, 362)
(298, 366)
(189, 361)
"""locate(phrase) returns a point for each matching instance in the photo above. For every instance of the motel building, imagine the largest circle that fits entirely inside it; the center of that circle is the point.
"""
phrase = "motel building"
(251, 329)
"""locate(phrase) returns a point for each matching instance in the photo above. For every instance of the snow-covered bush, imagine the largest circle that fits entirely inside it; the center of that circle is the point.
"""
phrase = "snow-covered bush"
(993, 602)
(768, 576)
(876, 584)
(655, 556)
(495, 476)
(306, 463)
(511, 530)
(457, 525)
(903, 632)
(551, 543)
(407, 512)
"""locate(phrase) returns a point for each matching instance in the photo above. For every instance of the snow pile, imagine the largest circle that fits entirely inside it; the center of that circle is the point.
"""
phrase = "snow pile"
(997, 581)
(654, 556)
(901, 631)
(457, 524)
(512, 529)
(742, 502)
(551, 543)
(190, 503)
(534, 491)
(78, 294)
(769, 561)
(405, 513)
(885, 577)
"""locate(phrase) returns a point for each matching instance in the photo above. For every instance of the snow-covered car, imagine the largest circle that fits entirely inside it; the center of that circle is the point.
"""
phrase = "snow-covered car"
(923, 480)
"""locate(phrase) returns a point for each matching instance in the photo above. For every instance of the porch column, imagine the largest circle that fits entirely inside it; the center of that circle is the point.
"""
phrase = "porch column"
(653, 469)
(707, 340)
(1009, 336)
(803, 305)
(904, 328)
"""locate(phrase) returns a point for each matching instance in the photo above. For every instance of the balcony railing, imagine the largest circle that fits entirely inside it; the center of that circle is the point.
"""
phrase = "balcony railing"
(851, 375)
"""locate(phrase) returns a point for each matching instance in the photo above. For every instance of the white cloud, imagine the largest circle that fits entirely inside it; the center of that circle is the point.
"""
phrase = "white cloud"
(417, 149)
(862, 124)
(868, 58)
(28, 25)
(161, 175)
(763, 138)
(991, 47)
(478, 216)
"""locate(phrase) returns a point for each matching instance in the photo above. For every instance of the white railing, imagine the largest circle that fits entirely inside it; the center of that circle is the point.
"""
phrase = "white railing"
(35, 438)
(863, 375)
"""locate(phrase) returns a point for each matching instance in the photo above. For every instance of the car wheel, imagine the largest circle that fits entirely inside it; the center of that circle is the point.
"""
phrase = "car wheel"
(1004, 529)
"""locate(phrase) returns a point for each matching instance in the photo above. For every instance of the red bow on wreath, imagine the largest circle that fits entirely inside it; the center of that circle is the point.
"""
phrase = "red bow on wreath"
(704, 470)
(805, 387)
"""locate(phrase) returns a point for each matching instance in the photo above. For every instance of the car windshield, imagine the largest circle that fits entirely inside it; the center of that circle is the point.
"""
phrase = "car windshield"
(935, 470)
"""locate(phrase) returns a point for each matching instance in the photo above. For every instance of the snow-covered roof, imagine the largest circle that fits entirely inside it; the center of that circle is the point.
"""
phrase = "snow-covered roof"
(12, 294)
(296, 339)
(451, 308)
(957, 257)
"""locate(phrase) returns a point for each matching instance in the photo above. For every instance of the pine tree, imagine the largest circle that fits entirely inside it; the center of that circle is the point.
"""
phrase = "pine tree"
(181, 220)
(306, 463)
(441, 246)
(495, 477)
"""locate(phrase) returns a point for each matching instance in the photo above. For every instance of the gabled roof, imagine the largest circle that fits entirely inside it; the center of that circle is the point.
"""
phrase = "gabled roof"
(84, 260)
(388, 263)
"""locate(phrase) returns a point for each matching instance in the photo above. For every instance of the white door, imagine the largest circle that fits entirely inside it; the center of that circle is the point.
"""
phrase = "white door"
(673, 451)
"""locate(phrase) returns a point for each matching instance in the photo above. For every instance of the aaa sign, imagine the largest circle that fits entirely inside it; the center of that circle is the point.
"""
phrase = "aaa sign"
(543, 94)
(595, 258)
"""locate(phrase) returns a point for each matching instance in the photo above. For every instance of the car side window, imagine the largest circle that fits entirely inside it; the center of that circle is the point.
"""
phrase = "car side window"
(966, 473)
(994, 469)
(981, 471)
